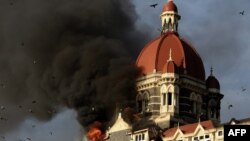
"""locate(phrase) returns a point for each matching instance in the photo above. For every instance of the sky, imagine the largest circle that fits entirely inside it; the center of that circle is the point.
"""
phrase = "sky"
(214, 27)
(62, 127)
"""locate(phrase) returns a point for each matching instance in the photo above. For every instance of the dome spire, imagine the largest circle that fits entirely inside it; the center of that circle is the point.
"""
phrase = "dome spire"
(211, 71)
(170, 17)
(170, 55)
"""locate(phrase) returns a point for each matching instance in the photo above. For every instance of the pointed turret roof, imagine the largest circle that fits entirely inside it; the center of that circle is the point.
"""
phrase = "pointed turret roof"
(119, 125)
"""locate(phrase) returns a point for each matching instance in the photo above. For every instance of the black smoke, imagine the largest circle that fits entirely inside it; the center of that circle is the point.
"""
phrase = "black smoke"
(77, 53)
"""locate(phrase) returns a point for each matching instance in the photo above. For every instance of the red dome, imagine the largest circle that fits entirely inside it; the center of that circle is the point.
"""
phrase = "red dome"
(155, 54)
(170, 6)
(212, 82)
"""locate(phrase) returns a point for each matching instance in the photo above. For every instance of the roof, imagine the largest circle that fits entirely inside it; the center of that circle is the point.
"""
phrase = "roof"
(143, 124)
(189, 128)
(170, 6)
(149, 126)
(237, 121)
(212, 82)
(155, 54)
(119, 125)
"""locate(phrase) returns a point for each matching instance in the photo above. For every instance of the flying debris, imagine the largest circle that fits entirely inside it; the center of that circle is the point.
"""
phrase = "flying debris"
(53, 111)
(34, 61)
(33, 101)
(33, 126)
(20, 106)
(3, 85)
(153, 5)
(243, 89)
(22, 44)
(3, 119)
(242, 12)
(31, 111)
(93, 108)
(3, 137)
(29, 139)
(51, 133)
(3, 108)
(230, 106)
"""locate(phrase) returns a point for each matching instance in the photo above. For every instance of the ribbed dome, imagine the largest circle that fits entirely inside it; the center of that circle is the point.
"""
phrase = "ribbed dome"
(155, 54)
(212, 82)
(170, 6)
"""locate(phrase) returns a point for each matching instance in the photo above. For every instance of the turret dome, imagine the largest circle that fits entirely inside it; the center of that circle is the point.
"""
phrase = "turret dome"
(154, 56)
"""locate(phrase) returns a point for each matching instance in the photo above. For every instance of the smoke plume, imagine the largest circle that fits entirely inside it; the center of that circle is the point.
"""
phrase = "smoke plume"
(58, 53)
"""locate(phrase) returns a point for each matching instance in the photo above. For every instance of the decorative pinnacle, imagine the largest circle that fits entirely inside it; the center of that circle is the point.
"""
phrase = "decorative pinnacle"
(170, 55)
(211, 71)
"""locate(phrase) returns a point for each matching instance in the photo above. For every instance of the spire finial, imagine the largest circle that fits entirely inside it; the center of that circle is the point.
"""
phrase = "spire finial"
(170, 55)
(178, 125)
(211, 71)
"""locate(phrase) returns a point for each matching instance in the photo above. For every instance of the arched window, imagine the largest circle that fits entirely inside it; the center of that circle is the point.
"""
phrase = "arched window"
(169, 98)
(142, 101)
(170, 24)
(163, 91)
(167, 95)
(193, 102)
(212, 108)
(164, 98)
(139, 102)
(165, 25)
(170, 91)
(145, 101)
(199, 105)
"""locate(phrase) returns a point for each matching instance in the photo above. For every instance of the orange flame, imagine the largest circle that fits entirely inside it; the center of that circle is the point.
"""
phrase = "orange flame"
(95, 134)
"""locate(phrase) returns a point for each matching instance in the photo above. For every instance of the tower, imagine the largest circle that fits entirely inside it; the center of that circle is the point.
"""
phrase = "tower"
(171, 87)
(214, 97)
(170, 17)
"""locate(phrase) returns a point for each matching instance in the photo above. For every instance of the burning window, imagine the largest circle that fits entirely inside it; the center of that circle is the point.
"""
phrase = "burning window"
(95, 133)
